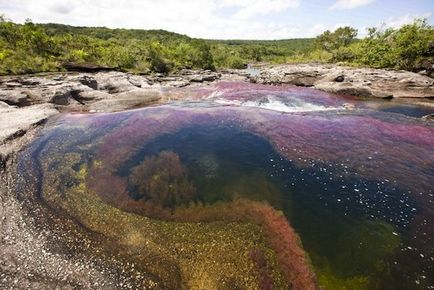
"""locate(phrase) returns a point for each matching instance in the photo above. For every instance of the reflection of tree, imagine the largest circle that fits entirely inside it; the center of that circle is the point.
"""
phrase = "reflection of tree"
(162, 180)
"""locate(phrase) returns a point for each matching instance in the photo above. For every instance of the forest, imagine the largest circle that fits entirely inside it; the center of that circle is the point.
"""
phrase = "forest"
(31, 48)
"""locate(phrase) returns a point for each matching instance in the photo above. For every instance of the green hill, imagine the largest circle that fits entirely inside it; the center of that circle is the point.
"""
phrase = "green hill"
(29, 48)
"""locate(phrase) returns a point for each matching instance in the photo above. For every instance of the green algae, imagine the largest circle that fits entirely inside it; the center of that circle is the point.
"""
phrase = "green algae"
(359, 258)
(213, 255)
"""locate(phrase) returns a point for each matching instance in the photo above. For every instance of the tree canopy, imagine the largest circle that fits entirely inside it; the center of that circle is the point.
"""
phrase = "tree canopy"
(30, 48)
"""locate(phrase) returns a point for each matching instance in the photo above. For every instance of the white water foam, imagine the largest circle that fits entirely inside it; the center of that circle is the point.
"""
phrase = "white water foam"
(277, 105)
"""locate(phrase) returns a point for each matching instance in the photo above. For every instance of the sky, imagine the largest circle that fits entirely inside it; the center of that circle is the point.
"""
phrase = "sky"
(224, 19)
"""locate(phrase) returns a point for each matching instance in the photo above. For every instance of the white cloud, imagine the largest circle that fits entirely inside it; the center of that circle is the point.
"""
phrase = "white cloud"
(252, 8)
(196, 18)
(349, 4)
(397, 22)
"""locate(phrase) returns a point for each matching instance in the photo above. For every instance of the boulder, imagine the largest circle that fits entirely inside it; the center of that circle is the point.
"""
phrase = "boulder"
(63, 95)
(348, 89)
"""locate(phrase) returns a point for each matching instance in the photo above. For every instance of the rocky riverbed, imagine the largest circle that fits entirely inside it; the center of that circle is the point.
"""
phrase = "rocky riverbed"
(29, 232)
(362, 82)
(25, 101)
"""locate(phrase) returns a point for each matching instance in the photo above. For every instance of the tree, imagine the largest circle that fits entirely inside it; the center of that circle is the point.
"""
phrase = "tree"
(341, 37)
(159, 62)
(412, 42)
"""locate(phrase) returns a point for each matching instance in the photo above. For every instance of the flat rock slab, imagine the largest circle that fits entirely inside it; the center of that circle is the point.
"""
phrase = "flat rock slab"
(363, 82)
(15, 122)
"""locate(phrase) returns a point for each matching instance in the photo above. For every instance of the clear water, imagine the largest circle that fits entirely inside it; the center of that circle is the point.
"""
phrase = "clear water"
(356, 185)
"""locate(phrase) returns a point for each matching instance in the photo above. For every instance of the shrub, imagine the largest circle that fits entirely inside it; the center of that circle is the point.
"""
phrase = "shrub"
(236, 62)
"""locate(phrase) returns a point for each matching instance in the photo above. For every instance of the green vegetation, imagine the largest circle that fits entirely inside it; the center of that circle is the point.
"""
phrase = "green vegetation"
(238, 53)
(410, 47)
(30, 48)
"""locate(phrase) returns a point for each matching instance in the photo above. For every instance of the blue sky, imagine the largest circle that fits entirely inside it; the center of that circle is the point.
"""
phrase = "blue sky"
(224, 19)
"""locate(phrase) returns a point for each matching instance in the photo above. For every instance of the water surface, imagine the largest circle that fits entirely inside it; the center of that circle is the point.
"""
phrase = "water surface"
(356, 185)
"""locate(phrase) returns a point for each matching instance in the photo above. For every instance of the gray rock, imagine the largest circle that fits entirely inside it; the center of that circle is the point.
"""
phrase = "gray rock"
(377, 83)
(348, 89)
(63, 95)
(114, 82)
(14, 97)
(201, 77)
(91, 96)
(88, 81)
(177, 84)
(339, 79)
(3, 105)
(15, 122)
(127, 100)
(139, 81)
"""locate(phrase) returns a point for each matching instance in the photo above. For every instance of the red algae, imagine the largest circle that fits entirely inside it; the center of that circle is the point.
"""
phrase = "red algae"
(280, 235)
(391, 150)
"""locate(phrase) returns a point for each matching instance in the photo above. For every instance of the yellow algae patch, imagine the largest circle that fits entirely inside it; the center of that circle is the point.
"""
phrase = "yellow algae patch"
(214, 255)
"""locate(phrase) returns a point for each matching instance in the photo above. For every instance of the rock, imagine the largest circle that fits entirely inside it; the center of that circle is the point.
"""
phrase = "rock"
(429, 117)
(379, 83)
(127, 100)
(63, 95)
(348, 106)
(139, 81)
(3, 105)
(206, 76)
(169, 79)
(177, 84)
(13, 85)
(88, 81)
(114, 82)
(14, 98)
(90, 96)
(339, 79)
(15, 122)
(348, 89)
